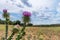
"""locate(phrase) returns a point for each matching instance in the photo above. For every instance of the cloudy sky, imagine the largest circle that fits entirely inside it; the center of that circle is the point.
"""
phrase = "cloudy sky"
(43, 11)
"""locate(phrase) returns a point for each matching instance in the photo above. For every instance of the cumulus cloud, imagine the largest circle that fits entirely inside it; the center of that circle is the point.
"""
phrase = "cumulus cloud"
(43, 11)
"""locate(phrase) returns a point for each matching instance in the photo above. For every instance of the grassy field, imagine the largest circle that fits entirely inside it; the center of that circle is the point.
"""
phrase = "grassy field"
(2, 27)
(33, 33)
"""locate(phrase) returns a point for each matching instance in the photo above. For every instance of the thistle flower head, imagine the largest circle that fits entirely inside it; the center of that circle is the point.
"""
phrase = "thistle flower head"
(26, 13)
(5, 10)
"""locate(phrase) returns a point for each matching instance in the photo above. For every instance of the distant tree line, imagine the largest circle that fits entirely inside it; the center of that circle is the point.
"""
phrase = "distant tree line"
(2, 21)
(29, 24)
(14, 22)
(52, 25)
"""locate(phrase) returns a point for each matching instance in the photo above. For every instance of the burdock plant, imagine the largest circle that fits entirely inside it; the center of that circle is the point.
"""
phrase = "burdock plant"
(6, 16)
(26, 19)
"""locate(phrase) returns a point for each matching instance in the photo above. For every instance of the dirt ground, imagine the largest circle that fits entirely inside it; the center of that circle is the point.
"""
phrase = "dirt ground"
(37, 34)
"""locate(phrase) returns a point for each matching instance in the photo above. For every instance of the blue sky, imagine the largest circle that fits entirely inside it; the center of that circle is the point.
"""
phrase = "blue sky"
(43, 11)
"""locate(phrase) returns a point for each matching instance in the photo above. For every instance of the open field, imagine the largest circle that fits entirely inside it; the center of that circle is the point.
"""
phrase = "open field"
(36, 33)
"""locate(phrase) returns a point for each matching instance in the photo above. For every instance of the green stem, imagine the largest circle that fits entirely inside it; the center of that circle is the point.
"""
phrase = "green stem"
(21, 33)
(11, 36)
(6, 29)
(19, 36)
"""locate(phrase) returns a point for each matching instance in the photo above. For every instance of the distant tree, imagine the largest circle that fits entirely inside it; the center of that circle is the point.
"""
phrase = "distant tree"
(30, 24)
(10, 22)
(21, 24)
(2, 21)
(17, 22)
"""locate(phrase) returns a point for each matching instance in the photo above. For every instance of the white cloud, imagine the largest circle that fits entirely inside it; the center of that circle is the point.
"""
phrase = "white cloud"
(45, 9)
